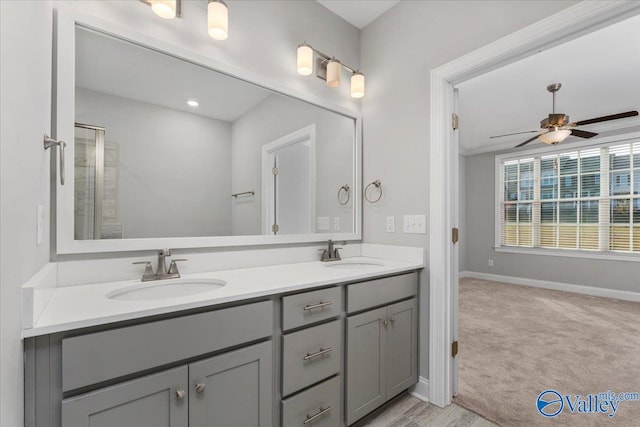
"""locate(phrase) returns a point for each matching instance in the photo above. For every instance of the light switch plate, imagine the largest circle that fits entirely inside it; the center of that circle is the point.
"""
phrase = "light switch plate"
(391, 224)
(322, 223)
(415, 224)
(336, 223)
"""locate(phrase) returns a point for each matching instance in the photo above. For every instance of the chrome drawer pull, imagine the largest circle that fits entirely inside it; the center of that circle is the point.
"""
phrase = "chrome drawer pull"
(311, 418)
(180, 394)
(319, 305)
(318, 353)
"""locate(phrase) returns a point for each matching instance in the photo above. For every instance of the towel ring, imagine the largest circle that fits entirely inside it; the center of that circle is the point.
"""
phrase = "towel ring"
(378, 185)
(344, 188)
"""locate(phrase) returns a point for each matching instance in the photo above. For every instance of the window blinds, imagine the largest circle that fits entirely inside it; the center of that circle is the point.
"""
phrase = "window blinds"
(582, 199)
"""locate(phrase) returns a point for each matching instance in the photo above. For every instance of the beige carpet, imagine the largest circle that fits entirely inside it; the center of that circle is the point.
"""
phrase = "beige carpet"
(517, 341)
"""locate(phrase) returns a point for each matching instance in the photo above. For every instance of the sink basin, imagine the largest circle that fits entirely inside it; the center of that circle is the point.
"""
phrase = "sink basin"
(171, 288)
(353, 264)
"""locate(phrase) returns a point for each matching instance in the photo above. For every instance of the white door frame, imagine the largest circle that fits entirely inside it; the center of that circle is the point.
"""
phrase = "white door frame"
(308, 132)
(568, 24)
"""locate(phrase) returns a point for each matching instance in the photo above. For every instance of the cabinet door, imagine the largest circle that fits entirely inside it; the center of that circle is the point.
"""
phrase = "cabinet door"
(150, 401)
(233, 389)
(402, 346)
(366, 384)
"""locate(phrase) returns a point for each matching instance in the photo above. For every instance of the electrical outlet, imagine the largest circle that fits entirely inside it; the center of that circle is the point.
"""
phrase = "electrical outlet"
(490, 263)
(391, 224)
(336, 223)
(415, 224)
(322, 223)
(39, 224)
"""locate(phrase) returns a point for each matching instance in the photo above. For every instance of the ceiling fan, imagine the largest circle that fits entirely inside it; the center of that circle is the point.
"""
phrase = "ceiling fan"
(556, 128)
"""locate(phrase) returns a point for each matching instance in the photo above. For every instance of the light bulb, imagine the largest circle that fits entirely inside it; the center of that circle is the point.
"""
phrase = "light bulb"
(218, 19)
(357, 85)
(555, 136)
(305, 59)
(164, 8)
(334, 71)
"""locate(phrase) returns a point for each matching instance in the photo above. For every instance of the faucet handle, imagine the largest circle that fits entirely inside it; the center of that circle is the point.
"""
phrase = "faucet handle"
(148, 270)
(173, 267)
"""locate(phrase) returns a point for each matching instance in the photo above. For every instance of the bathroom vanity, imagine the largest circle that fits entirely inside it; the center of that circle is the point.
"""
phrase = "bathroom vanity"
(321, 355)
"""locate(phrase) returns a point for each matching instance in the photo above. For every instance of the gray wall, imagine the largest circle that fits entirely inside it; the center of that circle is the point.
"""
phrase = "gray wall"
(480, 201)
(25, 83)
(174, 167)
(274, 118)
(398, 51)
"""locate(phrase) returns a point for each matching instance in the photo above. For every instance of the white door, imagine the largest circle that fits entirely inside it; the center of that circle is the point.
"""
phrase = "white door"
(289, 184)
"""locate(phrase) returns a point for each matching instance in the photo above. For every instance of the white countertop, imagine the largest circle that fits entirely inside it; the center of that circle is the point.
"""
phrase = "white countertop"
(74, 307)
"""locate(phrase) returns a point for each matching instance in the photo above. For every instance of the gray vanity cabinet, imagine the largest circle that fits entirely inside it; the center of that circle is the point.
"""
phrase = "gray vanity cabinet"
(381, 356)
(159, 400)
(382, 343)
(233, 389)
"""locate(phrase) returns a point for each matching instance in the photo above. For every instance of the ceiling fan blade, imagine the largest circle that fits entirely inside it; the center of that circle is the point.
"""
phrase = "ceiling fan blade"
(607, 118)
(527, 141)
(582, 133)
(516, 133)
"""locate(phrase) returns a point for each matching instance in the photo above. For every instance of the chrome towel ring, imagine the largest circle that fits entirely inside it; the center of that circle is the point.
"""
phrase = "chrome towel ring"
(347, 190)
(376, 184)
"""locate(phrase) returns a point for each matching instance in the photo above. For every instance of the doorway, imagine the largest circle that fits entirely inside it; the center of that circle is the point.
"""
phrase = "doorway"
(288, 183)
(571, 23)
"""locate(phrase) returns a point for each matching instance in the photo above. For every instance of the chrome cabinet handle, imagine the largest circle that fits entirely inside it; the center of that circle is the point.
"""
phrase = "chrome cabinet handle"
(180, 394)
(200, 387)
(392, 319)
(319, 305)
(50, 142)
(311, 418)
(318, 353)
(385, 322)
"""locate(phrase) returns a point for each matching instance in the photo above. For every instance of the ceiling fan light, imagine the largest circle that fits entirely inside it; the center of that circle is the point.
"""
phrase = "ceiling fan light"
(555, 136)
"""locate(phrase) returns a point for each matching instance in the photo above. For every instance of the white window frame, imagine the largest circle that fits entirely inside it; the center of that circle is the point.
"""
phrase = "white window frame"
(535, 152)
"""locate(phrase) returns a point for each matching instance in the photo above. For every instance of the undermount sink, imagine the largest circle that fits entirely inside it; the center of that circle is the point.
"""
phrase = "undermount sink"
(353, 264)
(170, 288)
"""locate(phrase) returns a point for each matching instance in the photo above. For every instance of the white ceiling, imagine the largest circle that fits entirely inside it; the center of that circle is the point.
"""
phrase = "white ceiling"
(115, 67)
(600, 75)
(359, 13)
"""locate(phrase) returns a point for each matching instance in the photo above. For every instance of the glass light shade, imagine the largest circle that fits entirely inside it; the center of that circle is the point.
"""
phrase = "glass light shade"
(305, 59)
(334, 71)
(357, 85)
(164, 8)
(555, 136)
(218, 20)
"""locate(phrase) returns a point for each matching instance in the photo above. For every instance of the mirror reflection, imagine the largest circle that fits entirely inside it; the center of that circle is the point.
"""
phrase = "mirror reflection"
(167, 148)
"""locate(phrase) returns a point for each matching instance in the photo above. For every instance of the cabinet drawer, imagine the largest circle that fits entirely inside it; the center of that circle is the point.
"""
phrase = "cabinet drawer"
(361, 296)
(310, 307)
(310, 355)
(93, 358)
(317, 407)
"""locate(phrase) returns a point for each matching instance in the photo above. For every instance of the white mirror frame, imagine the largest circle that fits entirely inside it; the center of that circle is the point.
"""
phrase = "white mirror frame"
(64, 100)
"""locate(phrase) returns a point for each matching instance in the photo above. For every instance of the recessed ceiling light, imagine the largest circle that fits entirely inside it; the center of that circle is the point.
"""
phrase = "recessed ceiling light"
(193, 103)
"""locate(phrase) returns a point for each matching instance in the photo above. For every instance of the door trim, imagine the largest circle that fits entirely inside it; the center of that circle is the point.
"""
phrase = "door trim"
(575, 21)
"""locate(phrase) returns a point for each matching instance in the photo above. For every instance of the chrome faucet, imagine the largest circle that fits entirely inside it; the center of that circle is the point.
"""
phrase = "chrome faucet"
(161, 271)
(332, 253)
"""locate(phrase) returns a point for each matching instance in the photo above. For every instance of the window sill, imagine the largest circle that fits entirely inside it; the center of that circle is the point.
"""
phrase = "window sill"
(569, 253)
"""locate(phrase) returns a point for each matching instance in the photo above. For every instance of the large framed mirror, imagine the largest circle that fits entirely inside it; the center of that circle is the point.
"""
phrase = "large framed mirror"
(169, 149)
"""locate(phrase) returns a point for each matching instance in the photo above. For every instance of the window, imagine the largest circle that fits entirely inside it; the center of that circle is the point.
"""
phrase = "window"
(584, 199)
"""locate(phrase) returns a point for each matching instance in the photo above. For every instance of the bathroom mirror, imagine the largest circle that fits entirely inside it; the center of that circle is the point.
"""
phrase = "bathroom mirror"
(167, 151)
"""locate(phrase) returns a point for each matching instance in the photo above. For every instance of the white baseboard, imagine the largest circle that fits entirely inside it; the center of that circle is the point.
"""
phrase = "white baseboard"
(558, 286)
(421, 389)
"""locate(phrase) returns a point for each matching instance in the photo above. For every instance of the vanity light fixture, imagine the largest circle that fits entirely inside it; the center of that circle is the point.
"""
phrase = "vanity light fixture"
(328, 68)
(218, 19)
(166, 9)
(193, 103)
